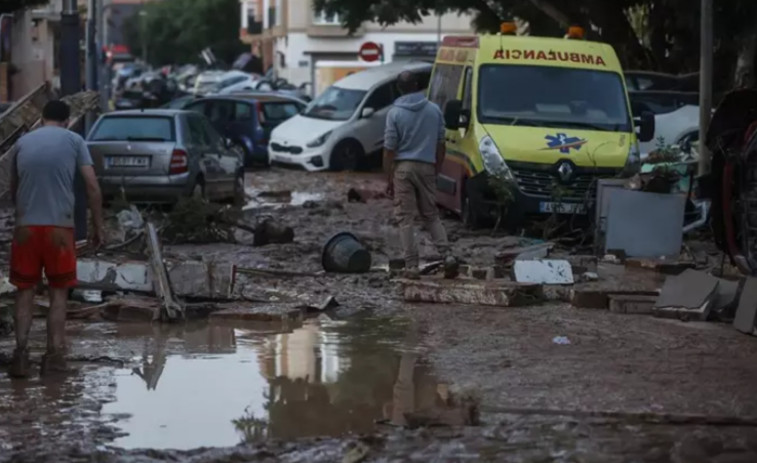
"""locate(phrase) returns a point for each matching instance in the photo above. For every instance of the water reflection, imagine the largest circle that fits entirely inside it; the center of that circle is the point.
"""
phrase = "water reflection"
(208, 385)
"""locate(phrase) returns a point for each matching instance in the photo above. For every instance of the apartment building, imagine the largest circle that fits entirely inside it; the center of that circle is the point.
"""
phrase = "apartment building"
(296, 41)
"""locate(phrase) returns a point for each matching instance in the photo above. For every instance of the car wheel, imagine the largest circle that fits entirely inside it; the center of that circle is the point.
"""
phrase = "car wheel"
(346, 156)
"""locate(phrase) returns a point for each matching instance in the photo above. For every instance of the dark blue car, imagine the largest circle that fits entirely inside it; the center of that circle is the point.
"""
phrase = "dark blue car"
(248, 120)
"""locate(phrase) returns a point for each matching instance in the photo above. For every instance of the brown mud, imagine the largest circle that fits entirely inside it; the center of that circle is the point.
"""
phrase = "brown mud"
(352, 384)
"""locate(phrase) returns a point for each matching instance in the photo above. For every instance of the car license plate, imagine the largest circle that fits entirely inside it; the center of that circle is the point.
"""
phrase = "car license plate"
(562, 208)
(129, 161)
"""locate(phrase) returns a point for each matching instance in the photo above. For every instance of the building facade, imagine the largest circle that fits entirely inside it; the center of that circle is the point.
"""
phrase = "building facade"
(296, 41)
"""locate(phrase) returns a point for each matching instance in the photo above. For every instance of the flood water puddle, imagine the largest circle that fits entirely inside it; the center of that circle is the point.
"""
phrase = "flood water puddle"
(210, 386)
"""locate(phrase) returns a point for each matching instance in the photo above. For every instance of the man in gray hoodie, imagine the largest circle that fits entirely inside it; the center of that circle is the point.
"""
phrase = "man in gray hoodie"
(413, 154)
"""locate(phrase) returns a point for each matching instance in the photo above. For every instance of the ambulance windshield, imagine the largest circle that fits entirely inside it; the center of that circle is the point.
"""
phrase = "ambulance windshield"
(556, 97)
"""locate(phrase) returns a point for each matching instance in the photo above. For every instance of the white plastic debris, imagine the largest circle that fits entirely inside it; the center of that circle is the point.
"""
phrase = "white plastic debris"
(561, 340)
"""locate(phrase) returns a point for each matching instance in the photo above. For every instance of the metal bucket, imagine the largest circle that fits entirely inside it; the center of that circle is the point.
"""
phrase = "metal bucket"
(343, 253)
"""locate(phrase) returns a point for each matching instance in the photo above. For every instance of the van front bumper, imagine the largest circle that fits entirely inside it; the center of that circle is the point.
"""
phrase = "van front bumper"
(538, 192)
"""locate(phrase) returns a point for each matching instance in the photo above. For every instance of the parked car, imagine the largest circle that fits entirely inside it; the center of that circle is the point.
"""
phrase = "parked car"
(345, 124)
(234, 81)
(676, 117)
(179, 103)
(248, 120)
(158, 156)
(206, 81)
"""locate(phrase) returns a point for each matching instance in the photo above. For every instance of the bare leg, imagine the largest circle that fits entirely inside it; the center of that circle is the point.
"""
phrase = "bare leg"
(56, 320)
(23, 320)
(22, 317)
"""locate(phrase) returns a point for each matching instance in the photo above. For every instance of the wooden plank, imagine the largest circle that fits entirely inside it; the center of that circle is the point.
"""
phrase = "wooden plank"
(170, 307)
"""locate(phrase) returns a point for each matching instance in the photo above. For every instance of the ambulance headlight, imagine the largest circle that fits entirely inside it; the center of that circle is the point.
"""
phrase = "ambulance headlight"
(493, 161)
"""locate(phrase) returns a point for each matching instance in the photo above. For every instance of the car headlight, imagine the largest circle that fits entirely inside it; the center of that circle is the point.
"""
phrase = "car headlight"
(319, 141)
(633, 162)
(493, 162)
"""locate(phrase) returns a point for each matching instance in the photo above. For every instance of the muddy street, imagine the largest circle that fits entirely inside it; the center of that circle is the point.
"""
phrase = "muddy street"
(377, 378)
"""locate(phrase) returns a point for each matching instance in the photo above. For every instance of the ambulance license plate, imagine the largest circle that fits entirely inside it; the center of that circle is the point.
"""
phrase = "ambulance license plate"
(561, 208)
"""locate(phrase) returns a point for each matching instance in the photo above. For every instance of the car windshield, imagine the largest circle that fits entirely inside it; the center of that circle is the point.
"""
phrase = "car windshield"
(279, 111)
(134, 128)
(553, 97)
(336, 104)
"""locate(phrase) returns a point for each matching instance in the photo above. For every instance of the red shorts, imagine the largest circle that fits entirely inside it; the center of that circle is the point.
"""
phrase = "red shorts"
(42, 247)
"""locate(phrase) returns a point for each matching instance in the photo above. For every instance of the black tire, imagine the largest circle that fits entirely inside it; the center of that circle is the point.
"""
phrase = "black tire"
(346, 156)
(468, 213)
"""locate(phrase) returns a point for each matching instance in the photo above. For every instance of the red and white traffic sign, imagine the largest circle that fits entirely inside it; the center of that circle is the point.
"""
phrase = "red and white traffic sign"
(370, 51)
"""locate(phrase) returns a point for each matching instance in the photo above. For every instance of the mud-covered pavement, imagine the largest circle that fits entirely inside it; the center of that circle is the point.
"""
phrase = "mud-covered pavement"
(355, 384)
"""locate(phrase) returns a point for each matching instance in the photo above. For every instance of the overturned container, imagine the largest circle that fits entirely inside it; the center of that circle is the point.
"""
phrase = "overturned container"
(344, 253)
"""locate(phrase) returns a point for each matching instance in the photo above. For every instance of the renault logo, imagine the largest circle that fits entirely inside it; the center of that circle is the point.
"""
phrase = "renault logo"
(565, 171)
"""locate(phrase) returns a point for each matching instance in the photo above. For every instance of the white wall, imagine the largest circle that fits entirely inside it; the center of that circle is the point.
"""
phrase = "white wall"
(299, 47)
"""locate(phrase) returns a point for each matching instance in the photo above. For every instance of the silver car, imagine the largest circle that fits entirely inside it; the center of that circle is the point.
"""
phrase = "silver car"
(158, 156)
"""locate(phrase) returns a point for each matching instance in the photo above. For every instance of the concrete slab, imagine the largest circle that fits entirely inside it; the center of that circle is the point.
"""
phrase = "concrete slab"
(498, 294)
(632, 304)
(114, 276)
(728, 296)
(202, 280)
(545, 272)
(593, 297)
(689, 296)
(663, 266)
(746, 313)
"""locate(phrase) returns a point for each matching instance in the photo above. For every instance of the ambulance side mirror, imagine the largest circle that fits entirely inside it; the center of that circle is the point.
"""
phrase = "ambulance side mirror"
(453, 111)
(645, 126)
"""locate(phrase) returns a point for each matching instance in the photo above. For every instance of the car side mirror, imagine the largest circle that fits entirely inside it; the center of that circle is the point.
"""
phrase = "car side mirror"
(367, 112)
(645, 126)
(453, 111)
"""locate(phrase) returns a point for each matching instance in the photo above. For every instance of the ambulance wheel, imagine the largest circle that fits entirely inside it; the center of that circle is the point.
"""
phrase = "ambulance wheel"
(469, 214)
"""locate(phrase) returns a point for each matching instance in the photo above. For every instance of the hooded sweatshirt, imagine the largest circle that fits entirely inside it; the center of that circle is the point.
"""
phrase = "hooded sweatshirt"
(414, 128)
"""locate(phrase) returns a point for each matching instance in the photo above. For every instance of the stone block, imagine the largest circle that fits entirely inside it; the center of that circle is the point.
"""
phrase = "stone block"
(746, 313)
(665, 267)
(597, 297)
(498, 294)
(114, 276)
(632, 304)
(688, 296)
(547, 272)
(201, 280)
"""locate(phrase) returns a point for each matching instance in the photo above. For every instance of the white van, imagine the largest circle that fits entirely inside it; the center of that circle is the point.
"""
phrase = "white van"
(345, 123)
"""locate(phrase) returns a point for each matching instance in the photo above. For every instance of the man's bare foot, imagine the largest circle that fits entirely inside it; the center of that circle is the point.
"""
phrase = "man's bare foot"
(53, 363)
(20, 365)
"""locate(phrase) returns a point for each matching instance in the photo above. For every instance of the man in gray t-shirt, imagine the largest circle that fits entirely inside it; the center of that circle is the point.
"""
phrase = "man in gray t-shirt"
(45, 162)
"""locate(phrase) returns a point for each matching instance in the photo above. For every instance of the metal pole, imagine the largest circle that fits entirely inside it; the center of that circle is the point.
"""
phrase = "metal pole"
(70, 83)
(101, 43)
(91, 57)
(705, 85)
(143, 29)
(70, 72)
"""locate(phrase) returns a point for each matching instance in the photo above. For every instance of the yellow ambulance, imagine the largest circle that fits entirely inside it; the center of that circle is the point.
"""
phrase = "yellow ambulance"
(547, 116)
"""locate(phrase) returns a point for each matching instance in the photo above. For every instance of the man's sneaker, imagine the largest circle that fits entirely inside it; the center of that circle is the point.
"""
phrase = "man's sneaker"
(20, 364)
(451, 268)
(53, 363)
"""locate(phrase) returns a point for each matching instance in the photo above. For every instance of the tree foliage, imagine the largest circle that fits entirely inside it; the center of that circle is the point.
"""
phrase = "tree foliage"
(176, 31)
(649, 34)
